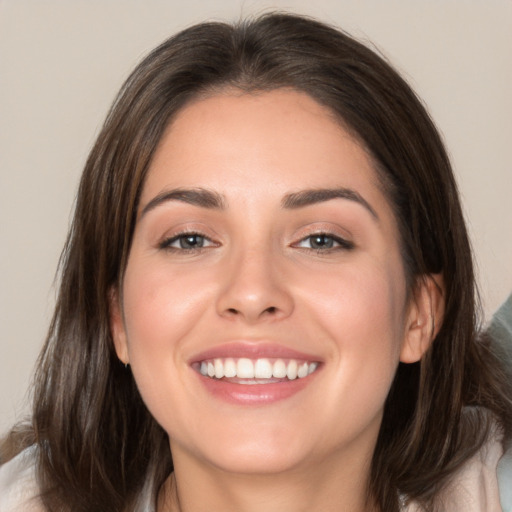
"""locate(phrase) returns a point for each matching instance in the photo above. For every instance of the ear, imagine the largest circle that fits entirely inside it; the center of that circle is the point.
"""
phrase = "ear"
(424, 317)
(117, 329)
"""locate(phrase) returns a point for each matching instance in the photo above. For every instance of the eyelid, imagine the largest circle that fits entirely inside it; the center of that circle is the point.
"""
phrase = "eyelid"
(167, 241)
(342, 243)
(328, 229)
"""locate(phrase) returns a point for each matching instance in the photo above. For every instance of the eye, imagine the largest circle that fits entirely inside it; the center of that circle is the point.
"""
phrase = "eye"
(324, 242)
(186, 242)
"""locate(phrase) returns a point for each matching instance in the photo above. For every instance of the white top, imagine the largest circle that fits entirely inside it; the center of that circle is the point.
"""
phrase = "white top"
(18, 487)
(474, 488)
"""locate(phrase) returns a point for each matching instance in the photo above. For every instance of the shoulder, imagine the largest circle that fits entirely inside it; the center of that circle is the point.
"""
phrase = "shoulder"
(482, 484)
(18, 486)
(505, 480)
(500, 328)
(479, 485)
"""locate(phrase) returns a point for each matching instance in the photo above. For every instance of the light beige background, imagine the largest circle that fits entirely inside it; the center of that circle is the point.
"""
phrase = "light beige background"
(61, 63)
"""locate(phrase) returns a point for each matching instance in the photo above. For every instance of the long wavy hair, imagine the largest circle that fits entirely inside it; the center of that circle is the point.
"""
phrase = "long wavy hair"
(98, 446)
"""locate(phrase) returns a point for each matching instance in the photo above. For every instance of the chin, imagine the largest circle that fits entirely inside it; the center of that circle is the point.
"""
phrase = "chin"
(251, 453)
(257, 462)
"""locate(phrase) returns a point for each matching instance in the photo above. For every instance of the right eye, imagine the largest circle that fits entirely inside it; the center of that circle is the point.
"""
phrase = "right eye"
(186, 242)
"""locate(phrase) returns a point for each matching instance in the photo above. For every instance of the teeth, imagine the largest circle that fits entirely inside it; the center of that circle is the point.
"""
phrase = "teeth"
(291, 371)
(257, 370)
(229, 368)
(263, 369)
(245, 369)
(279, 371)
(302, 371)
(219, 368)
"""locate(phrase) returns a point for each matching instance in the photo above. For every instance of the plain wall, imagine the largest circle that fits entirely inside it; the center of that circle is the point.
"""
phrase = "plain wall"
(62, 62)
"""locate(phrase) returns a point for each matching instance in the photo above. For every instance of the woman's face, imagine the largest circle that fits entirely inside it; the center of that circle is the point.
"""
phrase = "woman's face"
(263, 247)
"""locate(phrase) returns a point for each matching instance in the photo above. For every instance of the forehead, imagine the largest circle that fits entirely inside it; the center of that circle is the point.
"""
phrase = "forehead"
(272, 142)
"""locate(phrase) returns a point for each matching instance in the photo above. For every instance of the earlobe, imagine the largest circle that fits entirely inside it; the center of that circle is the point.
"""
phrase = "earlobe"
(425, 317)
(117, 329)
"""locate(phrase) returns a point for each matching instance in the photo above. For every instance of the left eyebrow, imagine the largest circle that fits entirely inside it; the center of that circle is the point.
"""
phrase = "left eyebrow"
(320, 195)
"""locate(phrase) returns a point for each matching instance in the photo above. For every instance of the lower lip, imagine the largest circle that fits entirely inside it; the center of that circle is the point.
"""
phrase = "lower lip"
(254, 394)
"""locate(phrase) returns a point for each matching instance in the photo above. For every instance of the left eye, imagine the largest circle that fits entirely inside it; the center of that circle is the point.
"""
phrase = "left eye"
(186, 241)
(322, 241)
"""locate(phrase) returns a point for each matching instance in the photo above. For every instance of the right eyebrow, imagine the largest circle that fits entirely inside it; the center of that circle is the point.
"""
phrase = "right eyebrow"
(196, 196)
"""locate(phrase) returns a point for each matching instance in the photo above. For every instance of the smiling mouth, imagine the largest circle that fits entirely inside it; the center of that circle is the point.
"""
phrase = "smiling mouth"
(256, 371)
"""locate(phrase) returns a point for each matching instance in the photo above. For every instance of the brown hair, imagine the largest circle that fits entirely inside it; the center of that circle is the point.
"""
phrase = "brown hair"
(98, 445)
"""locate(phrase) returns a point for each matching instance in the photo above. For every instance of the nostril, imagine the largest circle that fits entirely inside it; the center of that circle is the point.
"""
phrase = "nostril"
(271, 310)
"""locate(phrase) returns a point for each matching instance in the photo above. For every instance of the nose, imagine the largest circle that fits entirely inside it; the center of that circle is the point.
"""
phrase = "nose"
(254, 289)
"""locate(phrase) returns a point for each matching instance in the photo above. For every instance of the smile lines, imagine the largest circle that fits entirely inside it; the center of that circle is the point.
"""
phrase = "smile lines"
(263, 369)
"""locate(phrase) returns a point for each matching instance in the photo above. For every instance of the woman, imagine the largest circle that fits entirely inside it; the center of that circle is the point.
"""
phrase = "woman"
(267, 298)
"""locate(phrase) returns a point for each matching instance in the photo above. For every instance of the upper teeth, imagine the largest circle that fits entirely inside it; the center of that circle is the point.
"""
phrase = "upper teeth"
(245, 368)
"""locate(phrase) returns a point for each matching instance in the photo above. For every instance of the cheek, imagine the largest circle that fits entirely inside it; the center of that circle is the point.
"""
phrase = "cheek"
(161, 309)
(366, 302)
(161, 305)
(361, 315)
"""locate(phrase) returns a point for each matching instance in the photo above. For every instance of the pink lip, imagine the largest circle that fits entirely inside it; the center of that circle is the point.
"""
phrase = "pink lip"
(252, 350)
(253, 394)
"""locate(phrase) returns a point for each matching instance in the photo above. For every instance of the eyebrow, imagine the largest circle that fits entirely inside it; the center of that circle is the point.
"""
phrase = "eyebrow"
(195, 196)
(320, 195)
(210, 199)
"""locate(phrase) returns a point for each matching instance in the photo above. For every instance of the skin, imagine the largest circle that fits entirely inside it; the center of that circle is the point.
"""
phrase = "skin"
(258, 279)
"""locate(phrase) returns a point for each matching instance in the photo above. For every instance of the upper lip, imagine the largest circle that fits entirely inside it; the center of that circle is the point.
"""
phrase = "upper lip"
(252, 350)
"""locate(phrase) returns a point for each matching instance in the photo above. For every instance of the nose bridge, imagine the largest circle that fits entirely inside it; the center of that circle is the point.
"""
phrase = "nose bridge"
(254, 287)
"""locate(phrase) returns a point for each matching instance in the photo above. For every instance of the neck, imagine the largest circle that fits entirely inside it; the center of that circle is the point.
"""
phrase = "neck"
(194, 489)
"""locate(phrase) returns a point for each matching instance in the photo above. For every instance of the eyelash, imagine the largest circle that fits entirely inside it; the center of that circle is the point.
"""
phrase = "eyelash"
(342, 244)
(167, 243)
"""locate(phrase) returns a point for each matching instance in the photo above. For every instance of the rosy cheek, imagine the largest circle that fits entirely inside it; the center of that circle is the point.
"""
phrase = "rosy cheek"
(362, 306)
(161, 305)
